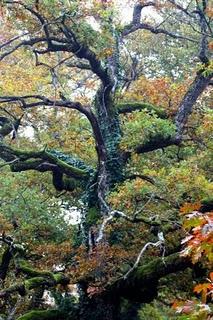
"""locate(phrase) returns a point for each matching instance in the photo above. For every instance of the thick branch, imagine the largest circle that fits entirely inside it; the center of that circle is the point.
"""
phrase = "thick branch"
(137, 11)
(136, 24)
(27, 103)
(33, 283)
(144, 26)
(142, 282)
(196, 89)
(83, 52)
(128, 107)
(156, 143)
(68, 44)
(37, 278)
(60, 46)
(5, 262)
(45, 161)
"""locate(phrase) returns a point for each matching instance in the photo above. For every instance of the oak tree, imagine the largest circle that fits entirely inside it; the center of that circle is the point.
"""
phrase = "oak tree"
(118, 115)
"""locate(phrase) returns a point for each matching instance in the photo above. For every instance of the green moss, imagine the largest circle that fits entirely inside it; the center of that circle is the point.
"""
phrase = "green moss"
(50, 156)
(35, 282)
(127, 107)
(24, 267)
(65, 166)
(60, 278)
(146, 130)
(42, 315)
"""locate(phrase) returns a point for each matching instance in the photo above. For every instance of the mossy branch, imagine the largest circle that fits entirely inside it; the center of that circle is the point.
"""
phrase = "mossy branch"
(128, 107)
(141, 285)
(36, 282)
(42, 315)
(36, 278)
(39, 160)
(24, 267)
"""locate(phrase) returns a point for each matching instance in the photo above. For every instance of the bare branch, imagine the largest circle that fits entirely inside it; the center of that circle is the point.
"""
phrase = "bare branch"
(9, 163)
(79, 65)
(38, 40)
(137, 11)
(13, 39)
(160, 243)
(181, 8)
(141, 176)
(44, 101)
(144, 26)
(137, 25)
(115, 214)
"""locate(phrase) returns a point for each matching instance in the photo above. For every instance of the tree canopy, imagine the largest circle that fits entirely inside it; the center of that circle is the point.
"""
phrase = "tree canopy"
(106, 159)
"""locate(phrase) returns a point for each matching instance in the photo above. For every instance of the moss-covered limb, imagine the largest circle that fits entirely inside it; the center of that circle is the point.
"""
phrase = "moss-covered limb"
(128, 107)
(66, 167)
(24, 267)
(5, 262)
(47, 156)
(8, 153)
(43, 315)
(60, 181)
(50, 280)
(18, 253)
(40, 161)
(18, 166)
(155, 143)
(36, 282)
(141, 284)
